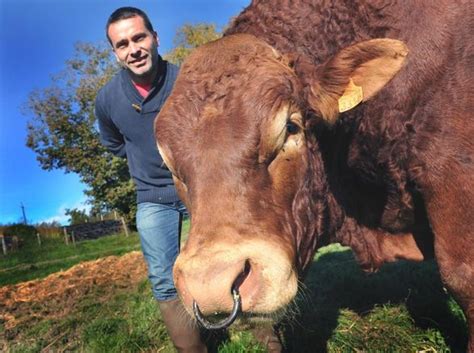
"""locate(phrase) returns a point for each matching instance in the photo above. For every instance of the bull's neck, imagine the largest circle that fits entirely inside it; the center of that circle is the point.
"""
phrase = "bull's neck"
(348, 198)
(337, 217)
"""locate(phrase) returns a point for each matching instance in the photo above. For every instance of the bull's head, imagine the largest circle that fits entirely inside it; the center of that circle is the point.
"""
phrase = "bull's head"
(238, 134)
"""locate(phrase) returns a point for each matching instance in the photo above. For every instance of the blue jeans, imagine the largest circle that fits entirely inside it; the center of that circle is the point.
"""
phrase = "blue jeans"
(159, 226)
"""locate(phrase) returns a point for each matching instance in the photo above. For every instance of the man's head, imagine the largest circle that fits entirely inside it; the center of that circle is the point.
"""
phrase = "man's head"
(134, 42)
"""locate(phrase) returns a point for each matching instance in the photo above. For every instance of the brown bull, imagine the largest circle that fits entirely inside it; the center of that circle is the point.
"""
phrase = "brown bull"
(300, 128)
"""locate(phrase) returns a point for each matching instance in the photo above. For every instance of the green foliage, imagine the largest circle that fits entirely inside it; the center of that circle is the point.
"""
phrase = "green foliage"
(189, 37)
(23, 231)
(64, 135)
(77, 216)
(49, 229)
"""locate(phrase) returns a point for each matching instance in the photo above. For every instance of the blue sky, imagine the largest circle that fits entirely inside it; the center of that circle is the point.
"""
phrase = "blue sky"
(36, 38)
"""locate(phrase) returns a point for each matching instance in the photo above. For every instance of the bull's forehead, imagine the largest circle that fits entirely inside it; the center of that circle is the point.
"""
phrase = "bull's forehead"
(231, 97)
(229, 52)
(236, 66)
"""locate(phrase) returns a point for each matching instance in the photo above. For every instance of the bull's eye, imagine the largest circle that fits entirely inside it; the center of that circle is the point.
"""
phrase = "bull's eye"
(292, 128)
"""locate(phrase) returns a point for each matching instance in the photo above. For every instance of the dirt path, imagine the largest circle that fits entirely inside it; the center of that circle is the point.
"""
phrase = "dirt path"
(58, 294)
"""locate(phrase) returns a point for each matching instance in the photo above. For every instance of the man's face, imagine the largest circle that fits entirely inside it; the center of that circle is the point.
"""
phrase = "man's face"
(135, 47)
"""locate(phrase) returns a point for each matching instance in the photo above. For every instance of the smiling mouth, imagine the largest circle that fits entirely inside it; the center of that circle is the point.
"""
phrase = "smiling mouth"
(139, 61)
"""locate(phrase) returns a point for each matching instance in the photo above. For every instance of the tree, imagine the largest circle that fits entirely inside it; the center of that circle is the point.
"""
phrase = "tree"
(63, 129)
(64, 135)
(77, 216)
(24, 231)
(189, 37)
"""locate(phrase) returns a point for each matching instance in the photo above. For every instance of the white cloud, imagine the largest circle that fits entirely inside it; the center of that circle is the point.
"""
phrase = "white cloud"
(61, 216)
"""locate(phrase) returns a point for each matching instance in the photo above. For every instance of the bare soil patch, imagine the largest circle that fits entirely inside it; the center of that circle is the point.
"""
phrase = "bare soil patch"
(60, 293)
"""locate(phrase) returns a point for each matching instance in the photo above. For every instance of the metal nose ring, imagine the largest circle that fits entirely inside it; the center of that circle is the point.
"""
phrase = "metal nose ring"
(225, 322)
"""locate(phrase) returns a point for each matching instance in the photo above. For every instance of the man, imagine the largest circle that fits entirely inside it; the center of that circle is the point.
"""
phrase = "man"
(126, 108)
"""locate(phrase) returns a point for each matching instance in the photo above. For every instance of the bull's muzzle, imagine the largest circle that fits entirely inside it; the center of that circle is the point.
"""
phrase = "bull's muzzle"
(225, 322)
(251, 277)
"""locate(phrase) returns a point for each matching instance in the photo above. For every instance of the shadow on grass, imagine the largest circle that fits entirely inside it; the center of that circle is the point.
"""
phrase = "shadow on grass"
(335, 282)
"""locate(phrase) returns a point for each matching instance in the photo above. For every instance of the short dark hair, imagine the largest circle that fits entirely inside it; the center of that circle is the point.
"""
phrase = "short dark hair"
(123, 13)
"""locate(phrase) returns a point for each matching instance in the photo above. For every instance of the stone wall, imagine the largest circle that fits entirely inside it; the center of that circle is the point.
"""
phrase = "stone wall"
(94, 230)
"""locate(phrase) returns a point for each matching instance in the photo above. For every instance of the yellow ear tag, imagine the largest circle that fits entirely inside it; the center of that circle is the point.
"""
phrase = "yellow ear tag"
(352, 96)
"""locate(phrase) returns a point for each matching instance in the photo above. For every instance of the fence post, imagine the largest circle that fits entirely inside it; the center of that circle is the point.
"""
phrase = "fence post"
(124, 225)
(73, 238)
(66, 237)
(4, 245)
(15, 243)
(39, 238)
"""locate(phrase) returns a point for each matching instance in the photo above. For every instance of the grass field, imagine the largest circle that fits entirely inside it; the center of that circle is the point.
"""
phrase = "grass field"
(34, 262)
(402, 308)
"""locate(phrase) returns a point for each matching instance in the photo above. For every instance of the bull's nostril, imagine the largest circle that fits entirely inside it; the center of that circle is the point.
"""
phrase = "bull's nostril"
(242, 276)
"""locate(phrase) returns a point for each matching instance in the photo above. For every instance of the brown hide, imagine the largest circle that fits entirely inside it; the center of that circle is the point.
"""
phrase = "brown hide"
(261, 157)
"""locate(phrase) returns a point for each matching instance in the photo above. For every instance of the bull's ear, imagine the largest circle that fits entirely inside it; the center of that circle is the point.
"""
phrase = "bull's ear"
(354, 75)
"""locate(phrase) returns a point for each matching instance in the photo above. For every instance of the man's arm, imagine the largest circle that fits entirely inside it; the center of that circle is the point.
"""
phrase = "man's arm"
(110, 135)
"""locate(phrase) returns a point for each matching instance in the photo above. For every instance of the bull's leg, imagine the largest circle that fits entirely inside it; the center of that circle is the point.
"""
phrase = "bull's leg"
(457, 272)
(450, 210)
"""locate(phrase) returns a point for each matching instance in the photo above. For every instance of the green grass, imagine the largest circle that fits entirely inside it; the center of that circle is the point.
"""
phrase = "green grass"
(33, 261)
(128, 322)
(402, 308)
